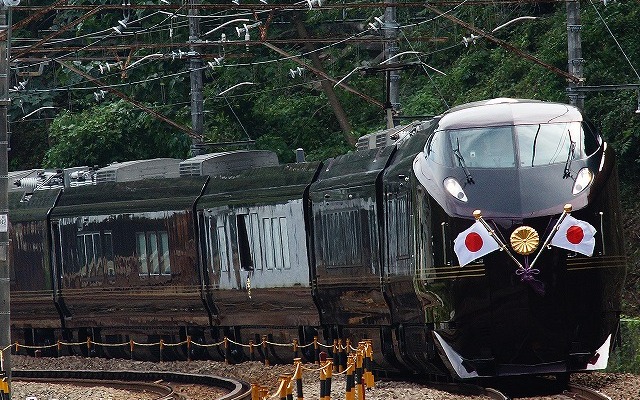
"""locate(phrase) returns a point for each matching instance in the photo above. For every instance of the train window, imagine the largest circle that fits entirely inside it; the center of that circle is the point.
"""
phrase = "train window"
(436, 149)
(342, 238)
(244, 248)
(96, 264)
(274, 235)
(592, 140)
(108, 253)
(545, 144)
(153, 253)
(219, 254)
(213, 259)
(398, 231)
(484, 147)
(277, 243)
(163, 252)
(284, 234)
(255, 239)
(82, 258)
(269, 254)
(141, 250)
(222, 248)
(152, 246)
(89, 252)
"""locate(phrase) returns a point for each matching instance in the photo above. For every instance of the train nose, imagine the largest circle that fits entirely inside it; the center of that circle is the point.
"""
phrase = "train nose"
(535, 308)
(506, 323)
(523, 193)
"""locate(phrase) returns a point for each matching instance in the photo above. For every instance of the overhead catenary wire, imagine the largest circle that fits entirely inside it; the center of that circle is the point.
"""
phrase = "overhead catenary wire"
(78, 86)
(274, 60)
(615, 39)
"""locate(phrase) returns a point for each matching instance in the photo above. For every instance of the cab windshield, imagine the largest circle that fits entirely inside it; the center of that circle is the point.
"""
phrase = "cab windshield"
(512, 146)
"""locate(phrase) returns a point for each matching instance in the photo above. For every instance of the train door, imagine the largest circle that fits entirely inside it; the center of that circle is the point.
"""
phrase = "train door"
(399, 236)
(224, 261)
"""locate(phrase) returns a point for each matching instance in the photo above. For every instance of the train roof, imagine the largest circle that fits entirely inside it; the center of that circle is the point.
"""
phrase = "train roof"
(272, 184)
(128, 171)
(228, 162)
(506, 111)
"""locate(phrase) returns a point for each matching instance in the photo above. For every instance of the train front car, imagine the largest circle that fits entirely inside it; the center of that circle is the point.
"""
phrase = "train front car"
(541, 296)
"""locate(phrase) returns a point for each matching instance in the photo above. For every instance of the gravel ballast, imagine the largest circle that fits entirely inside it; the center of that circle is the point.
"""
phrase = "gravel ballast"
(617, 386)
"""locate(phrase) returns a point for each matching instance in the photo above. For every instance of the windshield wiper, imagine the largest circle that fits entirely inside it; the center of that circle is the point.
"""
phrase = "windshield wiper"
(535, 139)
(567, 164)
(458, 155)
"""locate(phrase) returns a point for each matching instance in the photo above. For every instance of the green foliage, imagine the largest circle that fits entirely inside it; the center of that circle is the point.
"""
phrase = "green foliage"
(283, 114)
(113, 132)
(626, 357)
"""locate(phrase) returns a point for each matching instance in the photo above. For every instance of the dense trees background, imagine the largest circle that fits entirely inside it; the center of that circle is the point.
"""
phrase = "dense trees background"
(79, 126)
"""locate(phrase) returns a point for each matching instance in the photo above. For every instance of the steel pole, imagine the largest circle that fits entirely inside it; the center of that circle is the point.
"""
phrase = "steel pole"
(195, 72)
(5, 321)
(391, 46)
(574, 51)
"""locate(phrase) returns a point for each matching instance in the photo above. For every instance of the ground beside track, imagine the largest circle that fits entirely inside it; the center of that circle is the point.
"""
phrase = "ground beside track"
(617, 386)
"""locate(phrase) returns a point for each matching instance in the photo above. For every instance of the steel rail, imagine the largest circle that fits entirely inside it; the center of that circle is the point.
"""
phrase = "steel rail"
(578, 392)
(237, 390)
(470, 390)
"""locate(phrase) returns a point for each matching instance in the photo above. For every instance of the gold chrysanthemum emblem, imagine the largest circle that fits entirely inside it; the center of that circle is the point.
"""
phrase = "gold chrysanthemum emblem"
(524, 240)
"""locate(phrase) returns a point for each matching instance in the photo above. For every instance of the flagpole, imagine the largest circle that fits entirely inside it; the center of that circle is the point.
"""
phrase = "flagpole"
(478, 216)
(566, 211)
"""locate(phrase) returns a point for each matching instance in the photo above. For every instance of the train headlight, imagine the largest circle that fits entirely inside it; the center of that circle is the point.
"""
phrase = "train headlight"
(454, 189)
(583, 180)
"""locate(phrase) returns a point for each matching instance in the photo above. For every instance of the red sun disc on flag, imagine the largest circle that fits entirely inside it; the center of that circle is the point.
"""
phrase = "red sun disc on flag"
(473, 241)
(575, 234)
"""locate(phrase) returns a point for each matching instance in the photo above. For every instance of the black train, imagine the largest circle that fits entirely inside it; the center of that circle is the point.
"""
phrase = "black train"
(365, 245)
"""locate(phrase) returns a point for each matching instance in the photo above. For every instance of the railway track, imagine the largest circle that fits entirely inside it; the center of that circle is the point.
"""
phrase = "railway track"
(161, 384)
(576, 392)
(537, 391)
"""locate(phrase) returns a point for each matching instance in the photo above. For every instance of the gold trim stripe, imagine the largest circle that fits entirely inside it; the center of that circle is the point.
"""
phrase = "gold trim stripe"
(451, 272)
(596, 262)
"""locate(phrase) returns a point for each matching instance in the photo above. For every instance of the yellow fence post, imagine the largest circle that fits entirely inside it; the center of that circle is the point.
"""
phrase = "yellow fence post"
(323, 378)
(351, 383)
(316, 352)
(284, 386)
(369, 364)
(88, 346)
(327, 382)
(297, 375)
(264, 392)
(188, 347)
(227, 350)
(265, 348)
(255, 391)
(334, 354)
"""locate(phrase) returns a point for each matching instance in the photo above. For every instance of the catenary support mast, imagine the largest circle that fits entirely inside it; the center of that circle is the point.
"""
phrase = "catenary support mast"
(195, 70)
(574, 43)
(391, 46)
(5, 321)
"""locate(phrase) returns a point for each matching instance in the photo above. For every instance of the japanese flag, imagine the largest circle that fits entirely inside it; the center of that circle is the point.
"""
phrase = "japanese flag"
(474, 243)
(575, 235)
